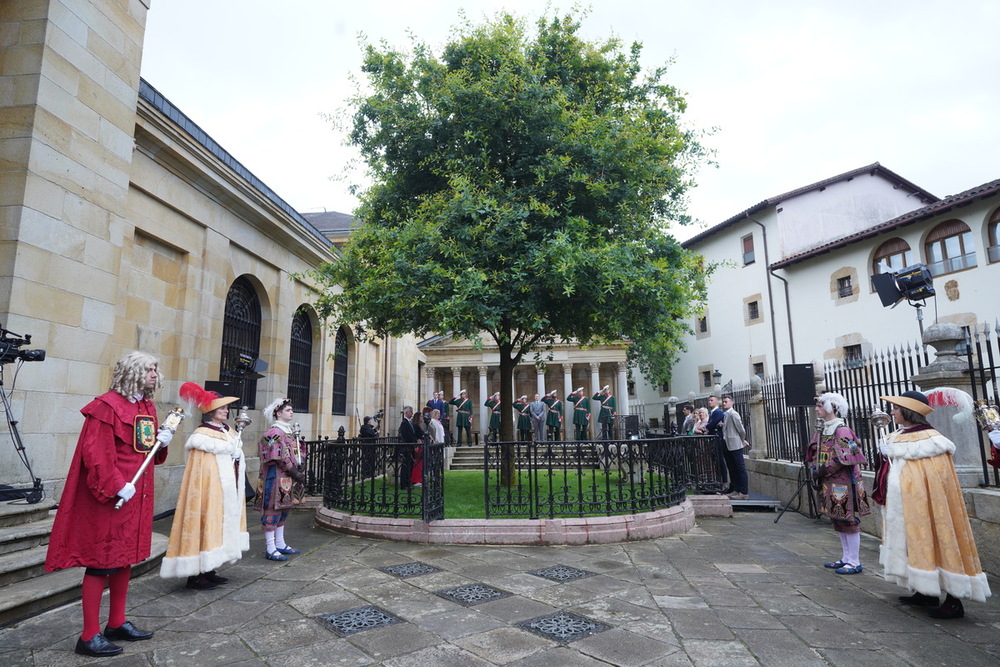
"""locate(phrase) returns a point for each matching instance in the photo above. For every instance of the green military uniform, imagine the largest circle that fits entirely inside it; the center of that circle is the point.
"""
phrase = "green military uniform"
(581, 414)
(493, 405)
(606, 418)
(463, 417)
(554, 419)
(523, 420)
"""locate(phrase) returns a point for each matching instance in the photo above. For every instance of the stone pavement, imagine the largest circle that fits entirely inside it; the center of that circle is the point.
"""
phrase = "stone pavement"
(733, 591)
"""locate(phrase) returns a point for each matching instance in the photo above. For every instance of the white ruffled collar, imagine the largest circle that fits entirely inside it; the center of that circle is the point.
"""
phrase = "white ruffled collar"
(831, 426)
(284, 426)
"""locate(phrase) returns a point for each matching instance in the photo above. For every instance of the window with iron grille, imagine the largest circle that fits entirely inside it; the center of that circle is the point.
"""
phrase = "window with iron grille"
(758, 370)
(844, 287)
(241, 340)
(300, 361)
(340, 360)
(853, 356)
(706, 378)
(753, 310)
(702, 324)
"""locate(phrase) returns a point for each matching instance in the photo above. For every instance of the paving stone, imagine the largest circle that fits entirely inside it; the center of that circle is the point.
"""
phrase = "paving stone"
(705, 653)
(503, 645)
(620, 647)
(779, 648)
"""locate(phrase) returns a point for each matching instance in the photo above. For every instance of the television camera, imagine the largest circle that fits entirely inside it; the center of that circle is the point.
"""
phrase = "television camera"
(10, 348)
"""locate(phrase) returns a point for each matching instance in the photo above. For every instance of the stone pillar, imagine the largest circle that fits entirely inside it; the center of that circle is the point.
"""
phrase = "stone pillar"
(946, 371)
(622, 390)
(595, 406)
(456, 386)
(758, 424)
(539, 380)
(429, 374)
(567, 370)
(484, 412)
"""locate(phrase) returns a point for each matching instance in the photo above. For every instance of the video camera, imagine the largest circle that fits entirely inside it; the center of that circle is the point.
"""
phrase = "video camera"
(10, 348)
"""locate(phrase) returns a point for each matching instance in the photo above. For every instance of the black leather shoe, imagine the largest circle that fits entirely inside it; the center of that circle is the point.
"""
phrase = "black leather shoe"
(920, 600)
(214, 578)
(949, 609)
(128, 632)
(97, 646)
(200, 583)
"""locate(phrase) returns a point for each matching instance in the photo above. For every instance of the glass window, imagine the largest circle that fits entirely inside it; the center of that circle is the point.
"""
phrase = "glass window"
(753, 310)
(748, 254)
(994, 237)
(844, 287)
(950, 248)
(241, 340)
(300, 361)
(853, 356)
(706, 378)
(340, 365)
(891, 256)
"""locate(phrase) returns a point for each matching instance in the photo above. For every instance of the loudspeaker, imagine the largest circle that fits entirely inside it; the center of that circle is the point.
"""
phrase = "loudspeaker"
(800, 391)
(222, 387)
(885, 285)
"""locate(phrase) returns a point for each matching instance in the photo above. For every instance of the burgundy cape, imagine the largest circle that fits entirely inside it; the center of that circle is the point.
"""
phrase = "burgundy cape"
(88, 530)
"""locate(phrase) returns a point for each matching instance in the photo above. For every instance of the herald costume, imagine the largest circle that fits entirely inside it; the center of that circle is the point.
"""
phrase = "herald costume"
(280, 484)
(927, 543)
(210, 522)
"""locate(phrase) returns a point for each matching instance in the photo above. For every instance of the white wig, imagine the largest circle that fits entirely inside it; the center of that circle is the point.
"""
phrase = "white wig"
(835, 403)
(271, 411)
(129, 376)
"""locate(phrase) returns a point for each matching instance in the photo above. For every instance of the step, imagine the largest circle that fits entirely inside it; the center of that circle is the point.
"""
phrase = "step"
(22, 565)
(16, 512)
(25, 536)
(33, 596)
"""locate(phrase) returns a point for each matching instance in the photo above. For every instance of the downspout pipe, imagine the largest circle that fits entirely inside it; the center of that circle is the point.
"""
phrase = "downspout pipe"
(770, 299)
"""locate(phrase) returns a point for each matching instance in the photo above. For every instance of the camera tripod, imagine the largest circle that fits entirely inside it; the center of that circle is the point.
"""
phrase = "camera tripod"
(805, 476)
(36, 493)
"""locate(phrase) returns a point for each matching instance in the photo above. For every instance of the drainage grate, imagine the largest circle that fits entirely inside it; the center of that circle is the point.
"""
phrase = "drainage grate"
(563, 626)
(407, 570)
(357, 620)
(471, 594)
(561, 573)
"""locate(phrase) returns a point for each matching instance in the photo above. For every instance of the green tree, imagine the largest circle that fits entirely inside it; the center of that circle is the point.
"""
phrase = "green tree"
(523, 184)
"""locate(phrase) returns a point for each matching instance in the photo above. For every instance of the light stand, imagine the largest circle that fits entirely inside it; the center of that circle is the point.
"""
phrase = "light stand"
(805, 476)
(36, 493)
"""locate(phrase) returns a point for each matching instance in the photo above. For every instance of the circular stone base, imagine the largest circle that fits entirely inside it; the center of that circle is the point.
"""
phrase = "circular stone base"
(588, 530)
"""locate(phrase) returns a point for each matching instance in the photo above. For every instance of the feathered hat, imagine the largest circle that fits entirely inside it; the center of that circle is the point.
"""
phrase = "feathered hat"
(206, 401)
(271, 411)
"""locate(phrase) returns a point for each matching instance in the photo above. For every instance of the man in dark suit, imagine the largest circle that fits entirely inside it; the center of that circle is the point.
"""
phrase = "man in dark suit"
(409, 432)
(714, 427)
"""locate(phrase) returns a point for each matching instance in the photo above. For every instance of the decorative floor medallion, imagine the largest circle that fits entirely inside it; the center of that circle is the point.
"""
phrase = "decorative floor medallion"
(561, 573)
(357, 620)
(407, 570)
(472, 594)
(563, 626)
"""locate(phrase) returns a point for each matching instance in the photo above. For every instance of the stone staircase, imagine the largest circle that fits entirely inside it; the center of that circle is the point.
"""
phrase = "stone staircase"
(25, 588)
(471, 458)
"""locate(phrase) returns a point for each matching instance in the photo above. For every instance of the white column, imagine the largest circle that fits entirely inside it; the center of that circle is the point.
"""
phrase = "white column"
(567, 406)
(484, 413)
(429, 374)
(456, 386)
(595, 406)
(622, 390)
(539, 380)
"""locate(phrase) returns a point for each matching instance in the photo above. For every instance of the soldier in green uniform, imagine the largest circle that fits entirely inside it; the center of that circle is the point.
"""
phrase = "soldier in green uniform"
(607, 416)
(581, 413)
(463, 415)
(554, 420)
(493, 403)
(523, 420)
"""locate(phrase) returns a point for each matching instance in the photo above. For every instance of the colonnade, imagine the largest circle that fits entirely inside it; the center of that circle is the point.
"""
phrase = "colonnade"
(481, 381)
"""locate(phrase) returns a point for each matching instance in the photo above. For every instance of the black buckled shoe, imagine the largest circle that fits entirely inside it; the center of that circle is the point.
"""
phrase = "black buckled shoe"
(201, 583)
(949, 609)
(97, 646)
(214, 578)
(128, 632)
(920, 600)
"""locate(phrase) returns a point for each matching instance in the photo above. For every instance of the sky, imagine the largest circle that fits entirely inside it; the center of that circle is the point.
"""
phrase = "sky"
(795, 91)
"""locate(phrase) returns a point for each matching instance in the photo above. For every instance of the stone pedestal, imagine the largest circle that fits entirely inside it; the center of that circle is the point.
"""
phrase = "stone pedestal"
(950, 416)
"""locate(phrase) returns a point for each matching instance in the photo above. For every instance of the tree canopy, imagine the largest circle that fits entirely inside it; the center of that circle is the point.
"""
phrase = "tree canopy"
(523, 183)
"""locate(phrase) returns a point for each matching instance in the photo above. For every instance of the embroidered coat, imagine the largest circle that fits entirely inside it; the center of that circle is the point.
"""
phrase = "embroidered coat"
(280, 453)
(927, 542)
(88, 531)
(210, 524)
(833, 457)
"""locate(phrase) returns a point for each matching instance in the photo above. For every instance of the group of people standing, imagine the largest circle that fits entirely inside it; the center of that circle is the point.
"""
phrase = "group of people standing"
(726, 425)
(104, 521)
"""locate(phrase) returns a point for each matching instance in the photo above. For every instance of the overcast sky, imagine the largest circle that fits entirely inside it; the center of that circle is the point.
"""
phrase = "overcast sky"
(798, 90)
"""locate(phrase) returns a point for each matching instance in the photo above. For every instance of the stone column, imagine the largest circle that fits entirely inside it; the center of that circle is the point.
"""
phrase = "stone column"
(539, 380)
(567, 370)
(429, 374)
(595, 406)
(622, 390)
(484, 413)
(758, 424)
(947, 370)
(456, 386)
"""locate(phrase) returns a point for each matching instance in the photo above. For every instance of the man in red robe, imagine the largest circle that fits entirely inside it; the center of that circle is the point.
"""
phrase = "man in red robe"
(119, 430)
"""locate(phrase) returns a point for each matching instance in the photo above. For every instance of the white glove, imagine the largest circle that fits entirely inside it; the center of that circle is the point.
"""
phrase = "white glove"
(995, 437)
(127, 492)
(165, 435)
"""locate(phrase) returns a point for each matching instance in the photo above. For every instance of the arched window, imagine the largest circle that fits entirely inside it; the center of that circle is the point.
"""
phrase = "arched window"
(241, 340)
(950, 248)
(994, 237)
(891, 256)
(340, 373)
(300, 361)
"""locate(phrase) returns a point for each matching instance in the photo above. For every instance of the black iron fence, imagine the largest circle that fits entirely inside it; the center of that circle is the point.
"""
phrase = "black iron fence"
(982, 352)
(521, 479)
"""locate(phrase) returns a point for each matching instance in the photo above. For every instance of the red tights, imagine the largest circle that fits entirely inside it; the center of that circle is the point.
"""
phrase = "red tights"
(93, 589)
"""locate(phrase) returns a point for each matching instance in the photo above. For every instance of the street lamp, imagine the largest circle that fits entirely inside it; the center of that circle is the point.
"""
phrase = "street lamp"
(672, 418)
(717, 376)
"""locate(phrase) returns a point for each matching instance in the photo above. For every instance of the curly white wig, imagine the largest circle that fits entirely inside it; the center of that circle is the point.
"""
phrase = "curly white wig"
(834, 402)
(129, 376)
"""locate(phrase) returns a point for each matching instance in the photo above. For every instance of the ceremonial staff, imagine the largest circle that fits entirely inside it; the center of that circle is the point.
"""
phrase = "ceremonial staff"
(172, 421)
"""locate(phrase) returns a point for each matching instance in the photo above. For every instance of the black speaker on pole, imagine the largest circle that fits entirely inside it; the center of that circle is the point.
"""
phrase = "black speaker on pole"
(800, 391)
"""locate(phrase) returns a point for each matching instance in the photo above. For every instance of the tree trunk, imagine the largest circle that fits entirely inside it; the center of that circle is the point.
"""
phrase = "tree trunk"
(507, 472)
